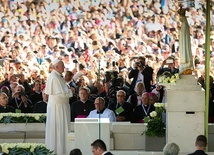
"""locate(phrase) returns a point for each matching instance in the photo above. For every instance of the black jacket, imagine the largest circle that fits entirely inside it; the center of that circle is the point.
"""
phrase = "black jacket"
(147, 73)
(139, 112)
(80, 108)
(128, 110)
(198, 152)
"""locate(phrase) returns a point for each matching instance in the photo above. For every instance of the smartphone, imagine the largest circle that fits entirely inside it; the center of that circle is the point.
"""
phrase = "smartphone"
(169, 61)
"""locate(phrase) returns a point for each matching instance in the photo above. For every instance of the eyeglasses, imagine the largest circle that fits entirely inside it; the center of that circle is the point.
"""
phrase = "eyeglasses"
(3, 98)
(120, 95)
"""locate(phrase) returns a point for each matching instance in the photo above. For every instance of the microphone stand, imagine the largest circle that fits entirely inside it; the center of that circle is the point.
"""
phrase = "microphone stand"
(98, 81)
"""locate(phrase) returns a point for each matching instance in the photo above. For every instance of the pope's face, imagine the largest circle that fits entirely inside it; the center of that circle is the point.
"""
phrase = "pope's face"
(60, 67)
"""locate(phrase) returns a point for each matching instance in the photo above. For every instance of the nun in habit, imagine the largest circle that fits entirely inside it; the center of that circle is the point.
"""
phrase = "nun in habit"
(186, 59)
(58, 110)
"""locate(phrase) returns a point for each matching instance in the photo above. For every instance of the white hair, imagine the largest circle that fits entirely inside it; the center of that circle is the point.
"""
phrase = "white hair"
(171, 149)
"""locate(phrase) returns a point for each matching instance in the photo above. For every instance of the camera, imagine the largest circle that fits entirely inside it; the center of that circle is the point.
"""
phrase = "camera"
(109, 75)
(75, 61)
(21, 93)
(139, 64)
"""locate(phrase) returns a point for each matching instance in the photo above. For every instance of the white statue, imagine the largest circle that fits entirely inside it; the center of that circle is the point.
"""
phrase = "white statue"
(186, 59)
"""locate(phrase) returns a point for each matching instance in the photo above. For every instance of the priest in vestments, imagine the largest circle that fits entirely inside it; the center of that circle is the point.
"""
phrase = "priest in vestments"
(58, 110)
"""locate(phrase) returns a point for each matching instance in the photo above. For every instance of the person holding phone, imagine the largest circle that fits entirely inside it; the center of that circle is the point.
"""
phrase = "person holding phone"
(168, 65)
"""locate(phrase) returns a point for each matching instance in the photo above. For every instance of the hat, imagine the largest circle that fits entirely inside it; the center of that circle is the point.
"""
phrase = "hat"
(17, 61)
(56, 61)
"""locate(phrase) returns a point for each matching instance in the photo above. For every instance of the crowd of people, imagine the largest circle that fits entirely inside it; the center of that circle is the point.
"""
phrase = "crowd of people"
(105, 46)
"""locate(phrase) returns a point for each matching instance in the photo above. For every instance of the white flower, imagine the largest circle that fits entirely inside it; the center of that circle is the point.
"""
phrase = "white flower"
(1, 116)
(158, 105)
(37, 117)
(6, 146)
(153, 114)
(162, 105)
(177, 76)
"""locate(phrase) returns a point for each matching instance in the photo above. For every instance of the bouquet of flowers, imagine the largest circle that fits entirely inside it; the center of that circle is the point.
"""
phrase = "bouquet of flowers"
(168, 78)
(25, 149)
(22, 118)
(155, 124)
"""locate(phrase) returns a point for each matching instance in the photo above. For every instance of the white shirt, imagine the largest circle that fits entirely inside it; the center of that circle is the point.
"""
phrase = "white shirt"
(106, 114)
(140, 77)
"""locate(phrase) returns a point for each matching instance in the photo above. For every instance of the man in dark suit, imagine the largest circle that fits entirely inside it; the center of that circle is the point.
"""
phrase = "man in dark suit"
(82, 107)
(141, 73)
(143, 110)
(98, 147)
(201, 144)
(122, 109)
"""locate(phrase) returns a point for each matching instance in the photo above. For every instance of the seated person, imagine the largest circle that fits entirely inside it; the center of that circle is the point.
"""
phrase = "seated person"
(122, 109)
(20, 101)
(171, 149)
(82, 107)
(6, 90)
(4, 108)
(159, 91)
(201, 144)
(36, 95)
(41, 106)
(143, 110)
(101, 111)
(135, 99)
(153, 98)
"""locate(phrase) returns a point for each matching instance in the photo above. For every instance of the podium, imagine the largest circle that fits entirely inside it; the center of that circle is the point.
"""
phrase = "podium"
(185, 107)
(87, 130)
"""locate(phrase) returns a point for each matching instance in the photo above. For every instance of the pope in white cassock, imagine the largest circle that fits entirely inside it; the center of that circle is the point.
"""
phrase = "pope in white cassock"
(101, 111)
(58, 110)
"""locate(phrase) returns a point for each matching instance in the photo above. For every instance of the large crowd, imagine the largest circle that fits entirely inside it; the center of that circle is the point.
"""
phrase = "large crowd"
(99, 41)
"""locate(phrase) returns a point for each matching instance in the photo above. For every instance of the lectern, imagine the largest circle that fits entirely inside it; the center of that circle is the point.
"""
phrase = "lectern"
(88, 130)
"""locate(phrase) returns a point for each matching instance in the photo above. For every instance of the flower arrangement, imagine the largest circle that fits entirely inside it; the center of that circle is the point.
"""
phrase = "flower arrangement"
(168, 78)
(155, 124)
(25, 149)
(22, 118)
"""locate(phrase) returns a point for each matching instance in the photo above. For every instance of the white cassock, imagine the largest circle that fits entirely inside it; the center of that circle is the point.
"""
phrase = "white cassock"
(58, 113)
(107, 113)
(186, 60)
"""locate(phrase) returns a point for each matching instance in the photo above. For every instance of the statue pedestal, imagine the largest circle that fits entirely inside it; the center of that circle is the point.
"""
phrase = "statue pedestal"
(185, 113)
(87, 130)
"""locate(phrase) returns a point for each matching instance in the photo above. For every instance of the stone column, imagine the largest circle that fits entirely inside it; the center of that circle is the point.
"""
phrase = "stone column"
(185, 113)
